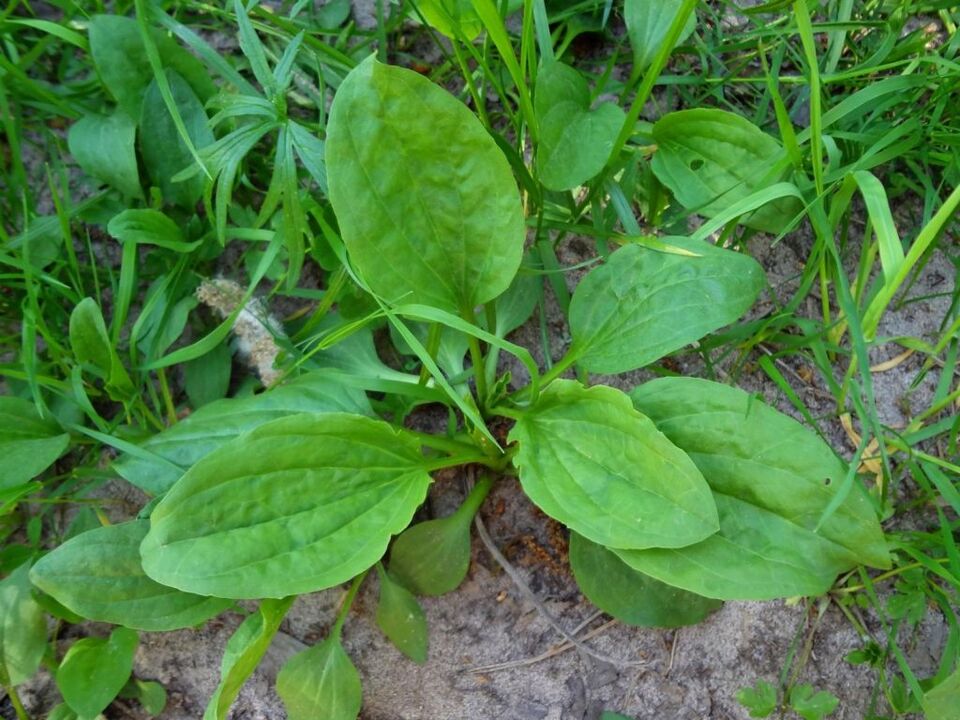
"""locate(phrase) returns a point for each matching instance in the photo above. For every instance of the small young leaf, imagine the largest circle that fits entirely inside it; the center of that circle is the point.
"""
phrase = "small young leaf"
(760, 700)
(23, 628)
(711, 159)
(103, 147)
(575, 141)
(433, 557)
(94, 671)
(426, 201)
(28, 444)
(648, 22)
(591, 461)
(630, 596)
(151, 695)
(401, 618)
(163, 150)
(98, 575)
(91, 346)
(121, 61)
(244, 650)
(810, 705)
(213, 425)
(642, 304)
(772, 481)
(321, 682)
(303, 503)
(613, 716)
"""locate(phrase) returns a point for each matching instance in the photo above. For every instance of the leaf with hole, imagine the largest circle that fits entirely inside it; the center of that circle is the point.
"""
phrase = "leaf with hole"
(320, 682)
(94, 671)
(575, 140)
(772, 480)
(630, 596)
(304, 503)
(711, 159)
(98, 575)
(169, 454)
(641, 304)
(28, 443)
(401, 618)
(587, 458)
(427, 205)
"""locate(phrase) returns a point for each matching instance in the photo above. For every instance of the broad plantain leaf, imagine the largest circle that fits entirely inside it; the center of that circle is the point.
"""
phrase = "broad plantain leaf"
(94, 671)
(243, 653)
(575, 141)
(164, 152)
(103, 146)
(642, 304)
(401, 618)
(28, 443)
(207, 378)
(91, 346)
(121, 61)
(149, 227)
(591, 461)
(320, 682)
(433, 557)
(215, 424)
(303, 503)
(772, 481)
(631, 596)
(98, 575)
(648, 22)
(23, 629)
(711, 159)
(427, 204)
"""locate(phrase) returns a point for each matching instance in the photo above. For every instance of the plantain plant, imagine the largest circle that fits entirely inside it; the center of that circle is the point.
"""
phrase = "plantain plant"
(678, 495)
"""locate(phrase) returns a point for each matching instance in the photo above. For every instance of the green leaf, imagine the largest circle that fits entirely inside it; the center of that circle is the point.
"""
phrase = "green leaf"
(180, 446)
(91, 346)
(772, 480)
(207, 379)
(98, 575)
(94, 671)
(121, 61)
(401, 618)
(433, 557)
(244, 650)
(630, 596)
(28, 443)
(711, 159)
(591, 461)
(614, 716)
(303, 503)
(648, 22)
(943, 701)
(427, 205)
(575, 141)
(163, 150)
(23, 629)
(103, 147)
(810, 705)
(151, 695)
(149, 227)
(454, 18)
(641, 304)
(760, 700)
(320, 682)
